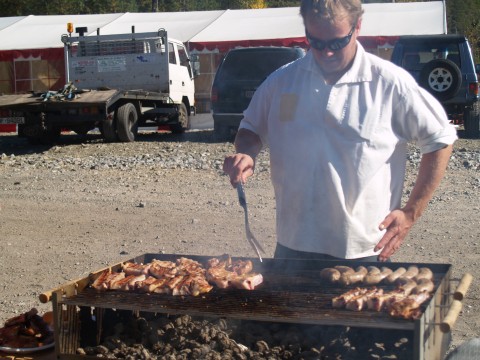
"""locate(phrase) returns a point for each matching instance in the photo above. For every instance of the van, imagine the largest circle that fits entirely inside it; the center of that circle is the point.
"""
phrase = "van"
(239, 74)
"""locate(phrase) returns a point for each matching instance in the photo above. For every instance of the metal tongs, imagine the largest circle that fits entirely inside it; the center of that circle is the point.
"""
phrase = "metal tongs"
(250, 237)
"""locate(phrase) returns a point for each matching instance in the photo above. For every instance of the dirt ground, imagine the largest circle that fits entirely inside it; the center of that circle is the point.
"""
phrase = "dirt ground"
(83, 204)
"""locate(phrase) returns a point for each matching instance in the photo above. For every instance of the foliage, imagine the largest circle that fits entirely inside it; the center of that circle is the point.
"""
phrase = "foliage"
(463, 16)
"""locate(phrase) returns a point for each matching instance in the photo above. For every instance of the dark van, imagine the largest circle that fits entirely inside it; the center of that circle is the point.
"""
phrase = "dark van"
(239, 74)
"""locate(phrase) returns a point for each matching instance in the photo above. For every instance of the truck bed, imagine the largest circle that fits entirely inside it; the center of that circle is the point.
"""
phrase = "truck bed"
(90, 97)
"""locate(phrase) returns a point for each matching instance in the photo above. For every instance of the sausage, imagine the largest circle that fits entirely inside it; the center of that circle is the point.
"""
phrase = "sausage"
(423, 285)
(390, 279)
(330, 274)
(375, 275)
(348, 278)
(412, 271)
(424, 273)
(405, 284)
(344, 269)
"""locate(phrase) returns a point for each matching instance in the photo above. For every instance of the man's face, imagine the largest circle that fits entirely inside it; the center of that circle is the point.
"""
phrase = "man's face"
(333, 63)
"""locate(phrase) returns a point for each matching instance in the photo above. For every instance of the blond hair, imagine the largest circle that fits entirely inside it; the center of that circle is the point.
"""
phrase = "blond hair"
(332, 9)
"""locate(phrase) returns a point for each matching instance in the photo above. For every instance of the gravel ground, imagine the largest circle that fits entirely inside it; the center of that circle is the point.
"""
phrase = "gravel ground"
(83, 204)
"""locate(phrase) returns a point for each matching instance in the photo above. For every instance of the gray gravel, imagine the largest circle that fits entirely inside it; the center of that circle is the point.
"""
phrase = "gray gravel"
(83, 204)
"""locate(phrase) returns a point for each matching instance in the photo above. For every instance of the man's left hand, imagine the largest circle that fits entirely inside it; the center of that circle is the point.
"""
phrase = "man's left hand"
(397, 224)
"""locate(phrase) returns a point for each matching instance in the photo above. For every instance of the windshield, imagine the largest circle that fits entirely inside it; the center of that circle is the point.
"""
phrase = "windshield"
(254, 66)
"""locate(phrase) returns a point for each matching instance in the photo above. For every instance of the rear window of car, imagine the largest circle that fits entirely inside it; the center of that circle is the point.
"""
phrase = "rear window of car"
(254, 65)
(417, 55)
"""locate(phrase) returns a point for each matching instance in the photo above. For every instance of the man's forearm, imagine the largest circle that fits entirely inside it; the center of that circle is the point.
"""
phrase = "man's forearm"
(247, 142)
(431, 171)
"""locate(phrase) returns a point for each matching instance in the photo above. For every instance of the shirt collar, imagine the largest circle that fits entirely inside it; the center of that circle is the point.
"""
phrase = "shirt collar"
(359, 72)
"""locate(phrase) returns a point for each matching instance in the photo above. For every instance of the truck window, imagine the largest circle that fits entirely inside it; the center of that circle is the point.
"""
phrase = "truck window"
(184, 60)
(171, 54)
(182, 54)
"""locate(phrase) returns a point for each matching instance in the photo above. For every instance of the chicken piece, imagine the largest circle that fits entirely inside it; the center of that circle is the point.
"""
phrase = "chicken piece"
(127, 283)
(188, 266)
(409, 307)
(161, 269)
(379, 302)
(150, 284)
(219, 276)
(130, 268)
(106, 277)
(241, 267)
(245, 281)
(192, 285)
(359, 302)
(340, 301)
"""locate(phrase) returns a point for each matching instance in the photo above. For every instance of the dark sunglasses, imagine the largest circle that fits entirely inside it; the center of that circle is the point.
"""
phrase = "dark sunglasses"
(334, 44)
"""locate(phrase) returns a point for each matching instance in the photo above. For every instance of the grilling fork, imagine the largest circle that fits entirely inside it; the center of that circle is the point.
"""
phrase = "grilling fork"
(250, 237)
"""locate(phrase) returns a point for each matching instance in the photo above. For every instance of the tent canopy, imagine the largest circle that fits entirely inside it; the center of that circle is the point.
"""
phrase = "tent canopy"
(208, 29)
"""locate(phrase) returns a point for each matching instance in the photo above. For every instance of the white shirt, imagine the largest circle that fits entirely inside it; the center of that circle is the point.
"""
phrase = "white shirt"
(338, 152)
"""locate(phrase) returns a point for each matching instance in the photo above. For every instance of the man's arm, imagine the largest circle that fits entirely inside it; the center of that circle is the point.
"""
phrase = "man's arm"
(399, 222)
(240, 166)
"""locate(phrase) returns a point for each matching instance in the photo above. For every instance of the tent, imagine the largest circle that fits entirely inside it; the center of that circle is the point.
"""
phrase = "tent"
(31, 53)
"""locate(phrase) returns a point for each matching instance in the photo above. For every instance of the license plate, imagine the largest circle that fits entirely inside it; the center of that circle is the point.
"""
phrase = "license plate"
(12, 120)
(249, 93)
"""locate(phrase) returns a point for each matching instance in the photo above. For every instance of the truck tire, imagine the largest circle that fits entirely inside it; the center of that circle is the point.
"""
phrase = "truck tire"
(127, 122)
(183, 120)
(109, 129)
(442, 78)
(471, 121)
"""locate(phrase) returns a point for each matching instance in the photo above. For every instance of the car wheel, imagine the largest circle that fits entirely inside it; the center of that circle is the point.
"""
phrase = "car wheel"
(442, 78)
(471, 122)
(127, 122)
(183, 120)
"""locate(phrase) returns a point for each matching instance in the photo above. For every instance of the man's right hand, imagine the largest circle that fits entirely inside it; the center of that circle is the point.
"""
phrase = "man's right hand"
(241, 165)
(238, 167)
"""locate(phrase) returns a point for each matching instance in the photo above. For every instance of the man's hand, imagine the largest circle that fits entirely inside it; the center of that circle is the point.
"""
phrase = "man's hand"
(397, 224)
(238, 167)
(241, 165)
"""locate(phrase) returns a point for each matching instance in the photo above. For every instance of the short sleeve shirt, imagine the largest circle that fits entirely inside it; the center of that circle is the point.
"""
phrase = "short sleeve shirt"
(338, 152)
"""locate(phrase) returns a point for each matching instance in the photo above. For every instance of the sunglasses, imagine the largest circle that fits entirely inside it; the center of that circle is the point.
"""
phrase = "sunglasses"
(334, 44)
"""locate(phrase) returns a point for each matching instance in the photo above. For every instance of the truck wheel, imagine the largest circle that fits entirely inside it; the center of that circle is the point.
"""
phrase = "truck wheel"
(127, 122)
(442, 78)
(183, 120)
(109, 129)
(471, 121)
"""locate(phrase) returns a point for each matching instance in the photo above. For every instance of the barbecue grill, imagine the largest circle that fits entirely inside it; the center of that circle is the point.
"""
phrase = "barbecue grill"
(292, 292)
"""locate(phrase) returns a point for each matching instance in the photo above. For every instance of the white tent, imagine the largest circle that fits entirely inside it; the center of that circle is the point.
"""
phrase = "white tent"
(211, 27)
(31, 53)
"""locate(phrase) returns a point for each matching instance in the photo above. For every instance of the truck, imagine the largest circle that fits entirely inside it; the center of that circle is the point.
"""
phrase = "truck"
(116, 83)
(443, 64)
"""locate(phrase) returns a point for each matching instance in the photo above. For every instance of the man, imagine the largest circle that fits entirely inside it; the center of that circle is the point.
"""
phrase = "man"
(337, 123)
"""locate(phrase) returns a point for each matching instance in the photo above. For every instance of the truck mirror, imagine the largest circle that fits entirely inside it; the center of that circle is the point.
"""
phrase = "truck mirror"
(195, 62)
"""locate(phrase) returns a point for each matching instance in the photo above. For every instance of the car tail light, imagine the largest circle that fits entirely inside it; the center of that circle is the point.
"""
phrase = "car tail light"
(473, 88)
(214, 95)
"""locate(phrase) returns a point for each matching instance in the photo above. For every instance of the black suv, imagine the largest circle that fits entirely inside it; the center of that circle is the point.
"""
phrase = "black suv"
(239, 74)
(443, 65)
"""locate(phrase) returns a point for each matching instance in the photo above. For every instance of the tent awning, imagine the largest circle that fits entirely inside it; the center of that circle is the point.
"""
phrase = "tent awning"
(221, 29)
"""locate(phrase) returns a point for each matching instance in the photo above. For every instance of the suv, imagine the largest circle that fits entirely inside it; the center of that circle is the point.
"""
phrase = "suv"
(239, 74)
(443, 65)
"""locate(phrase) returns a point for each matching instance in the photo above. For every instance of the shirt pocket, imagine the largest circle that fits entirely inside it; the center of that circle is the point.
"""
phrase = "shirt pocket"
(288, 106)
